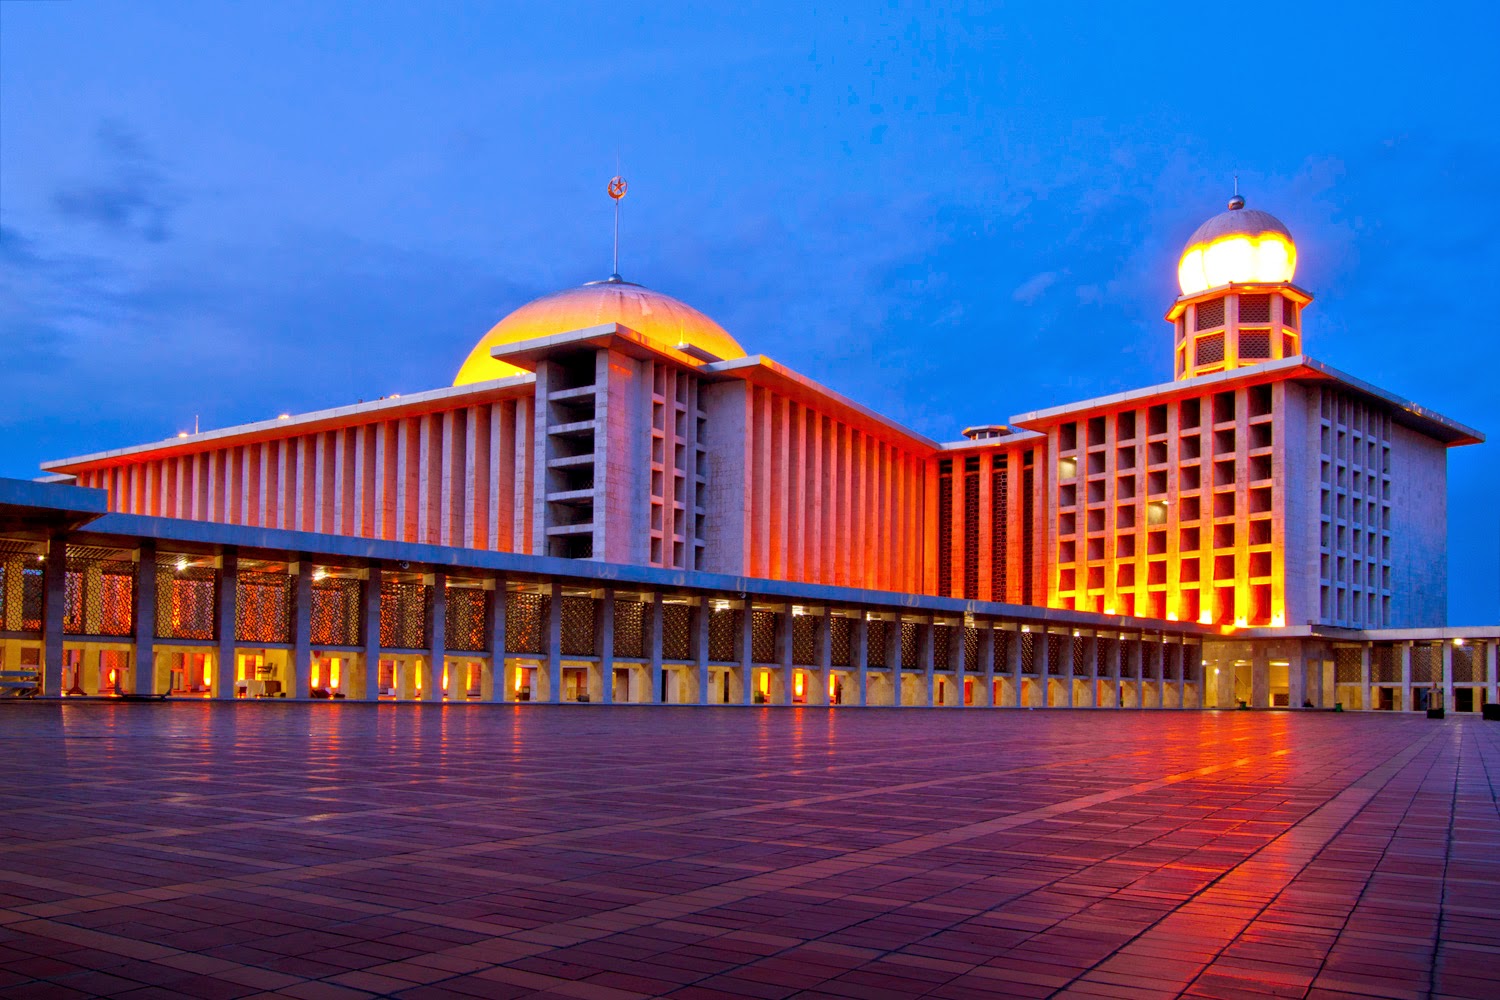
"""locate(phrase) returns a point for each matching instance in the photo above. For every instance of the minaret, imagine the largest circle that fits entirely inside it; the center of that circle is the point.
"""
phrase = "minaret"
(1238, 305)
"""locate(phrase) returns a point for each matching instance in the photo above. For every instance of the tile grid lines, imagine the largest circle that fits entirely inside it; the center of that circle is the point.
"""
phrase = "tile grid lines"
(1067, 881)
(1357, 797)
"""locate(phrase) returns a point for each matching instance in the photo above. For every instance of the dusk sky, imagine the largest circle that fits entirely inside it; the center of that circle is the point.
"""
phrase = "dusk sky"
(233, 211)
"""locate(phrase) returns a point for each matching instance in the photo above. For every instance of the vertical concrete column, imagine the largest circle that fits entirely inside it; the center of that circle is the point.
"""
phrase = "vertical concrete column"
(54, 608)
(369, 633)
(699, 648)
(302, 631)
(1136, 662)
(228, 591)
(747, 654)
(554, 643)
(823, 643)
(986, 662)
(1186, 654)
(1404, 651)
(894, 655)
(437, 639)
(145, 620)
(495, 630)
(1447, 695)
(926, 643)
(1260, 678)
(604, 647)
(958, 661)
(1296, 676)
(1014, 667)
(1492, 682)
(654, 616)
(1366, 692)
(1091, 668)
(1066, 671)
(1043, 671)
(859, 657)
(785, 631)
(1116, 653)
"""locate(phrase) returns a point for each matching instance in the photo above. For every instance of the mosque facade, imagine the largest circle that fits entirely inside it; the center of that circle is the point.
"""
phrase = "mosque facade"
(614, 502)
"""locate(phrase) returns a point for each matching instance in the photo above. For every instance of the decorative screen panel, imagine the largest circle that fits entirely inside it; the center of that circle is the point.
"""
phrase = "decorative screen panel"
(578, 626)
(336, 611)
(723, 635)
(945, 528)
(1054, 654)
(971, 650)
(840, 630)
(910, 655)
(805, 640)
(630, 629)
(100, 597)
(1255, 345)
(404, 611)
(524, 621)
(1209, 315)
(676, 631)
(1346, 665)
(763, 636)
(464, 625)
(186, 602)
(1385, 665)
(1028, 653)
(971, 529)
(942, 647)
(1255, 309)
(263, 607)
(1426, 663)
(999, 530)
(1210, 349)
(875, 633)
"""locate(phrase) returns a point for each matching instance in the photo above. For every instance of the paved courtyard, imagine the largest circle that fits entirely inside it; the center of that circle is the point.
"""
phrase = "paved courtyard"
(345, 850)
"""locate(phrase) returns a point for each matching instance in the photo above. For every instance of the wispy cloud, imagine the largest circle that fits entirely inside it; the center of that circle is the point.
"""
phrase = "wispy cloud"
(129, 194)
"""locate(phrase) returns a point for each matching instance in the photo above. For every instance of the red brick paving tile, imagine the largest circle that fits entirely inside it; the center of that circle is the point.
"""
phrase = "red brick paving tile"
(727, 853)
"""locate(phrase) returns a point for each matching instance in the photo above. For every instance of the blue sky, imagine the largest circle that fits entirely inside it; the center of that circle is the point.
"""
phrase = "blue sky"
(236, 210)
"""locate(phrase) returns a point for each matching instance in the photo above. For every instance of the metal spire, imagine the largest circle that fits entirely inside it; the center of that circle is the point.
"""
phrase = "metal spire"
(617, 191)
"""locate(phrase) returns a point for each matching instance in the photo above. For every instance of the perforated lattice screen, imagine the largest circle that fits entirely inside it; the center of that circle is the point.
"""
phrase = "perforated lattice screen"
(578, 626)
(971, 650)
(1210, 349)
(1054, 654)
(1103, 646)
(942, 658)
(1385, 665)
(875, 633)
(1346, 665)
(910, 655)
(840, 634)
(1080, 665)
(1255, 309)
(525, 613)
(262, 606)
(404, 608)
(1210, 315)
(1425, 663)
(1131, 656)
(971, 531)
(1464, 666)
(1028, 653)
(1192, 663)
(1289, 314)
(630, 629)
(804, 640)
(100, 597)
(464, 624)
(185, 602)
(677, 631)
(763, 636)
(336, 611)
(1255, 345)
(1003, 640)
(999, 531)
(723, 635)
(22, 601)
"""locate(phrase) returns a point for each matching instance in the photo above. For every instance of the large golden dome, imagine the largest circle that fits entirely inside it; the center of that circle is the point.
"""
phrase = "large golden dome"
(657, 317)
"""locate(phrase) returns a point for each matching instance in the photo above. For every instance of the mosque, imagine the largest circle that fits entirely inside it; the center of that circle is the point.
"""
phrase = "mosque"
(614, 502)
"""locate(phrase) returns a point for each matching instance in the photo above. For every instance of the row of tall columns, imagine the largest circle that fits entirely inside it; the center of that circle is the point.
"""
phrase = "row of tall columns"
(916, 683)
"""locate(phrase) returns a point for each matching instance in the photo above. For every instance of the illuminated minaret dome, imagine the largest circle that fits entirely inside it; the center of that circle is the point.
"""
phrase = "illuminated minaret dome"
(1238, 305)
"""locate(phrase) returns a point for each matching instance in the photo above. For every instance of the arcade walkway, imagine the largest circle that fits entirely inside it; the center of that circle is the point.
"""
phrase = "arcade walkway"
(217, 850)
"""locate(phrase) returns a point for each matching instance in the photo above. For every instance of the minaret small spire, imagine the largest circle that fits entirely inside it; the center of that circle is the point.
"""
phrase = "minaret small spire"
(617, 188)
(1236, 203)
